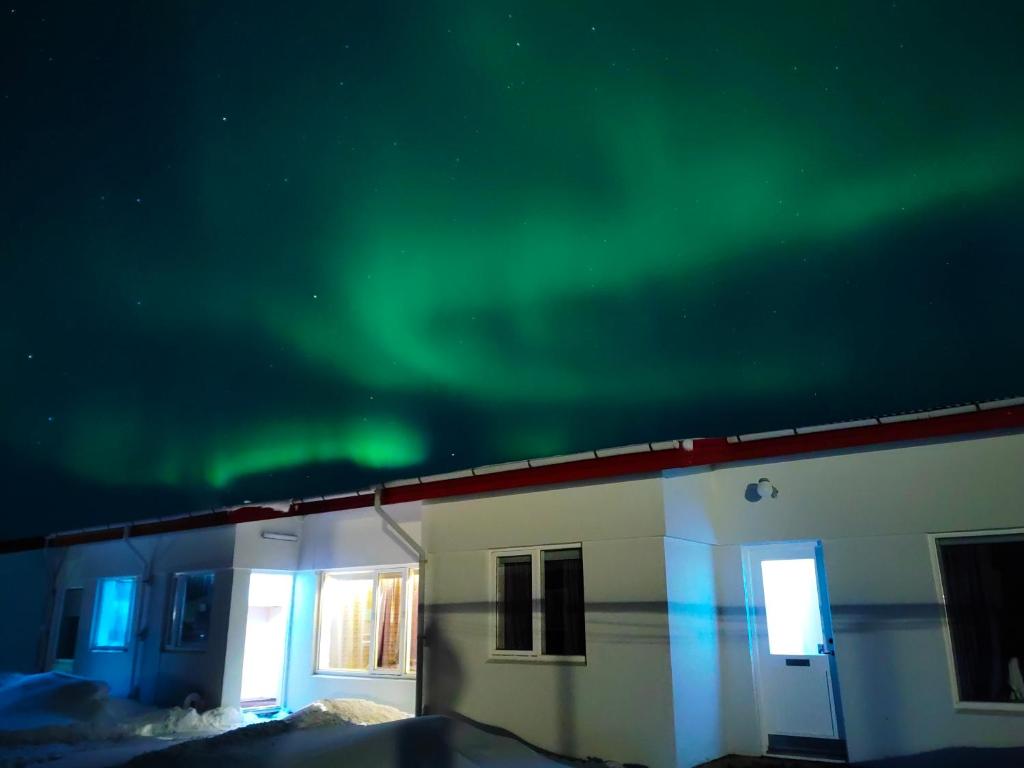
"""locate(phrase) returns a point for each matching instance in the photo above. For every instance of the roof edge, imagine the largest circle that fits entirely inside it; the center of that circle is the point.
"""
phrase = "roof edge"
(998, 416)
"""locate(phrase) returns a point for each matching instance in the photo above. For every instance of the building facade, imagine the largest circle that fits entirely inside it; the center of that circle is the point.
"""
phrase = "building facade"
(846, 593)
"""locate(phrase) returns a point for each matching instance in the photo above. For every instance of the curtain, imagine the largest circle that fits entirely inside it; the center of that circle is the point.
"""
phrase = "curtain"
(563, 603)
(389, 608)
(974, 602)
(515, 603)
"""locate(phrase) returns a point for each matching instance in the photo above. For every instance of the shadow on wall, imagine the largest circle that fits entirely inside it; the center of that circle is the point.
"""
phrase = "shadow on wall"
(444, 681)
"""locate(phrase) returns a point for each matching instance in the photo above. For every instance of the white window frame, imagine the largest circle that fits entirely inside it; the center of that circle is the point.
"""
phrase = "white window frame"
(935, 540)
(173, 641)
(537, 570)
(405, 645)
(96, 614)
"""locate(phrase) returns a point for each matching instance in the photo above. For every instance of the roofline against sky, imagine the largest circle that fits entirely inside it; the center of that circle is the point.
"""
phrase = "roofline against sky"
(641, 459)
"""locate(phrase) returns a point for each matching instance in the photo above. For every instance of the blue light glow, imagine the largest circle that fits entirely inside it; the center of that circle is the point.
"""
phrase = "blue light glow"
(114, 601)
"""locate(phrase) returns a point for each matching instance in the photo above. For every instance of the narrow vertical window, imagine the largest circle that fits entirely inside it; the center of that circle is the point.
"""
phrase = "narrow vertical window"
(193, 601)
(389, 621)
(414, 614)
(563, 602)
(346, 623)
(67, 631)
(514, 603)
(111, 624)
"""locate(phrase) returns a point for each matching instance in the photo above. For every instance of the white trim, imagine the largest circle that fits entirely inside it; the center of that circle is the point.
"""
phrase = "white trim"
(374, 571)
(536, 653)
(959, 705)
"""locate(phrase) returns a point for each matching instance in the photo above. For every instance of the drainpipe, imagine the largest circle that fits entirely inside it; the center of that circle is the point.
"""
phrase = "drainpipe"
(141, 625)
(422, 556)
(50, 603)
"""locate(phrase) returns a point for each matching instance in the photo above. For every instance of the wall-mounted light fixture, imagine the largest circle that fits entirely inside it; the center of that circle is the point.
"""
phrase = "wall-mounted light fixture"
(765, 489)
(279, 536)
(762, 489)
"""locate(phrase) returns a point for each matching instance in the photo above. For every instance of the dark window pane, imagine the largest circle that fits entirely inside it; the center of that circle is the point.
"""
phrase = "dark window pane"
(563, 602)
(515, 603)
(195, 609)
(983, 582)
(67, 634)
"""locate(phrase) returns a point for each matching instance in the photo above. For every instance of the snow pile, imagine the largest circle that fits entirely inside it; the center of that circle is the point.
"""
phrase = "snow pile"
(186, 722)
(418, 742)
(326, 712)
(56, 707)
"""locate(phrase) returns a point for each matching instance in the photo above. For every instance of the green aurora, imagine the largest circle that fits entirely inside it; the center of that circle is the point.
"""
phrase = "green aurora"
(255, 255)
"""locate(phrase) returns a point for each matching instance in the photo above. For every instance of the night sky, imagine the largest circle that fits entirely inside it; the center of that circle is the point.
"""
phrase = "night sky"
(262, 251)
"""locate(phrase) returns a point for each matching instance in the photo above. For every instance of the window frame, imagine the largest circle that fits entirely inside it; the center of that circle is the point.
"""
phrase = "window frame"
(93, 620)
(536, 654)
(936, 540)
(172, 640)
(405, 645)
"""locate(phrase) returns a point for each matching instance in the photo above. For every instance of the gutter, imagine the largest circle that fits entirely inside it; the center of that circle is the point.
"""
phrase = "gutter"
(141, 612)
(651, 458)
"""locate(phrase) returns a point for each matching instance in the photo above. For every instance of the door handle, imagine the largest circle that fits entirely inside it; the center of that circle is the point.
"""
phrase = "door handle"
(822, 650)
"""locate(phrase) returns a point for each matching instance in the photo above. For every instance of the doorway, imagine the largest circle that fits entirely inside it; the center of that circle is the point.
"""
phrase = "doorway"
(792, 650)
(266, 639)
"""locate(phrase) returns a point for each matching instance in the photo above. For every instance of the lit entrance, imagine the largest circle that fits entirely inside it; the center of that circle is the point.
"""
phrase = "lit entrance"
(792, 650)
(266, 639)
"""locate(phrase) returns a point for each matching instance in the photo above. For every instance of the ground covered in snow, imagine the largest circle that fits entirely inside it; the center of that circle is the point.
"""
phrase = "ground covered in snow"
(60, 721)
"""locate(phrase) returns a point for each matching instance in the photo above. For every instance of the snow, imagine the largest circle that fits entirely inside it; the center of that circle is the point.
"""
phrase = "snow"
(62, 721)
(423, 742)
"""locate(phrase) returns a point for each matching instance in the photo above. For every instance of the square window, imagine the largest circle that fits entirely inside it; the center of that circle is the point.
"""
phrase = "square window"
(190, 619)
(538, 602)
(983, 581)
(367, 621)
(111, 624)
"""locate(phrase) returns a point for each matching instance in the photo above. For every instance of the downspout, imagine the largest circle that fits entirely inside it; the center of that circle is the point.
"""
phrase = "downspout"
(141, 625)
(422, 556)
(50, 610)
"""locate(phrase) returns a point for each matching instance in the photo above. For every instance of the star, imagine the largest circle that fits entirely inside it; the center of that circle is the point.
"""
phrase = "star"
(29, 355)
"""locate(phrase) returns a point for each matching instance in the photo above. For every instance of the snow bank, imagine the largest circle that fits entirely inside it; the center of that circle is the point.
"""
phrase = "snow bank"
(59, 708)
(423, 742)
(183, 722)
(327, 712)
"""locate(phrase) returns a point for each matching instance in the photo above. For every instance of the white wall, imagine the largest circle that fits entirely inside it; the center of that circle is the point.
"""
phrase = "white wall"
(335, 540)
(164, 676)
(619, 704)
(873, 510)
(24, 600)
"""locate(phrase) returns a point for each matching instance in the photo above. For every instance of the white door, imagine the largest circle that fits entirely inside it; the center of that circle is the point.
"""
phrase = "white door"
(266, 639)
(792, 649)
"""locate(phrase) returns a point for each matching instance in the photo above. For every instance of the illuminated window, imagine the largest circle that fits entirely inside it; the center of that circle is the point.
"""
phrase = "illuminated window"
(538, 602)
(367, 621)
(791, 607)
(982, 583)
(191, 610)
(111, 624)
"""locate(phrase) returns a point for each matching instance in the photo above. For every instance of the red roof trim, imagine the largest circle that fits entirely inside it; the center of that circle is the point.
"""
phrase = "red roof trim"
(705, 452)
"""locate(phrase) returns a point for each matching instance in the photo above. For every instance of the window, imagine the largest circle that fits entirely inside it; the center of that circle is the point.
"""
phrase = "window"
(791, 605)
(983, 582)
(368, 621)
(111, 623)
(538, 602)
(190, 615)
(67, 630)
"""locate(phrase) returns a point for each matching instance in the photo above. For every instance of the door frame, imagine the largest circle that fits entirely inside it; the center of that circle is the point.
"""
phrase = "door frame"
(286, 661)
(747, 552)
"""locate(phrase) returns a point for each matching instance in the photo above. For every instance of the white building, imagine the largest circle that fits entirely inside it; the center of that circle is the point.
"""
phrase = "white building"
(851, 591)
